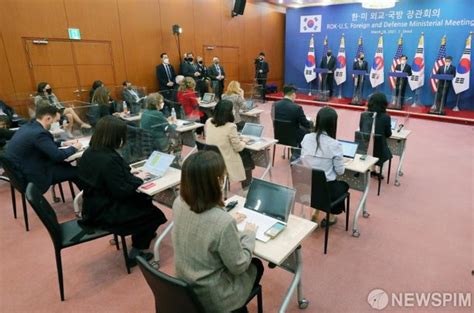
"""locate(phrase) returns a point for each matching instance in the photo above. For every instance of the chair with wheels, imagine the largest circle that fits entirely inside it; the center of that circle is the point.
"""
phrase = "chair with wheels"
(174, 295)
(66, 234)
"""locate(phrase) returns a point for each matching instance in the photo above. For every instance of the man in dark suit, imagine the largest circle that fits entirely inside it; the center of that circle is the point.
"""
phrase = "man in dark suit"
(359, 65)
(189, 67)
(165, 74)
(38, 156)
(132, 96)
(401, 82)
(445, 85)
(217, 74)
(261, 72)
(202, 82)
(287, 110)
(328, 62)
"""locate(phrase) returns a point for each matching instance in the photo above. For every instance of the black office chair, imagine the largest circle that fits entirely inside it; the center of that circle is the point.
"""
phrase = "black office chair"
(285, 133)
(173, 295)
(67, 234)
(362, 139)
(320, 199)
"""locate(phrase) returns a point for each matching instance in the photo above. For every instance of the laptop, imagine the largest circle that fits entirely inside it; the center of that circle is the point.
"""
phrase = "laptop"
(267, 204)
(393, 122)
(248, 105)
(349, 150)
(208, 98)
(252, 131)
(154, 167)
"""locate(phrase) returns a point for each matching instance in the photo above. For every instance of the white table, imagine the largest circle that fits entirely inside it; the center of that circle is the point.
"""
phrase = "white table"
(208, 108)
(357, 175)
(186, 131)
(131, 118)
(285, 252)
(260, 151)
(85, 143)
(397, 145)
(251, 116)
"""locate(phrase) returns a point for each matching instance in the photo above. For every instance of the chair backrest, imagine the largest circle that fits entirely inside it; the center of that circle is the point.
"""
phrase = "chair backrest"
(171, 295)
(45, 212)
(14, 173)
(301, 178)
(204, 146)
(320, 197)
(285, 133)
(363, 138)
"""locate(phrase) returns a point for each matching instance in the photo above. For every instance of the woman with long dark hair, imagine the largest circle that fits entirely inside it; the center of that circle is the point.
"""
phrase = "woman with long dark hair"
(328, 156)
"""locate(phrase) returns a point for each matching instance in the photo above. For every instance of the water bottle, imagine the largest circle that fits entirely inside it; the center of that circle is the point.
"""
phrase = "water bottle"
(173, 114)
(124, 105)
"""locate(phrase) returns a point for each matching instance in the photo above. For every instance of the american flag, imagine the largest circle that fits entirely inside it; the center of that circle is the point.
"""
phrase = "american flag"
(396, 61)
(438, 63)
(360, 48)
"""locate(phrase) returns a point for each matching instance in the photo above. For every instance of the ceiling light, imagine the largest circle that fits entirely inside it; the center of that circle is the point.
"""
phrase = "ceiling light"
(378, 4)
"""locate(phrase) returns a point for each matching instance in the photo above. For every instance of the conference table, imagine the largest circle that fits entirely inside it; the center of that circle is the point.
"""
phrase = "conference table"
(285, 251)
(251, 116)
(397, 145)
(357, 175)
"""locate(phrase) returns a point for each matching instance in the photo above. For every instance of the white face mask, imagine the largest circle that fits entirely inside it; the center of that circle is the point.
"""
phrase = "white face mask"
(403, 62)
(166, 61)
(448, 64)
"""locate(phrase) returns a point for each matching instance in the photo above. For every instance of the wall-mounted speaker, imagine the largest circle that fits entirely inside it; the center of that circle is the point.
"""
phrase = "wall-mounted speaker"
(239, 7)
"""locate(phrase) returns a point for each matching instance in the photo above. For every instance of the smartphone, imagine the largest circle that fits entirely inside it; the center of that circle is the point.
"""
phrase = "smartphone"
(231, 205)
(275, 230)
(363, 157)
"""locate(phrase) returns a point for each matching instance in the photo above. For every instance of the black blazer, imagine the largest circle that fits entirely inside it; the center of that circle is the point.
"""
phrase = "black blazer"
(163, 77)
(110, 197)
(383, 130)
(331, 65)
(188, 69)
(35, 152)
(406, 69)
(129, 97)
(213, 73)
(202, 69)
(287, 110)
(363, 67)
(261, 65)
(451, 70)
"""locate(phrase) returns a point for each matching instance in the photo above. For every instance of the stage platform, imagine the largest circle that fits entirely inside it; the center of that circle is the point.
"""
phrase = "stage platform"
(458, 117)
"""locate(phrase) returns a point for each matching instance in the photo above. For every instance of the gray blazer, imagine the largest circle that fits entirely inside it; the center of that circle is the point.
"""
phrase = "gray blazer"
(213, 257)
(239, 104)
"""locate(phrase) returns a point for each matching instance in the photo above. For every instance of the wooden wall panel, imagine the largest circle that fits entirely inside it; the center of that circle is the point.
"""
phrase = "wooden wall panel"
(7, 89)
(138, 31)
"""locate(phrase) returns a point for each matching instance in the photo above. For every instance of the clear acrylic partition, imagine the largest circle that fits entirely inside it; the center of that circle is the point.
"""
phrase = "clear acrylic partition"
(253, 91)
(409, 105)
(171, 101)
(84, 115)
(142, 91)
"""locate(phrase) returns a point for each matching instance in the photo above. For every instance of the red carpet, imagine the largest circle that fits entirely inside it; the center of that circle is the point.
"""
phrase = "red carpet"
(459, 117)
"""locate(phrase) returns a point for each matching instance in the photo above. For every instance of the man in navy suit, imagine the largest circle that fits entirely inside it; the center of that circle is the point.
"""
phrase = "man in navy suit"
(38, 156)
(328, 62)
(287, 110)
(401, 82)
(445, 85)
(166, 76)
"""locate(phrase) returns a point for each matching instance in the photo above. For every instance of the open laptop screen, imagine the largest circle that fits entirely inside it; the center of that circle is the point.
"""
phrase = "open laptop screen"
(251, 129)
(270, 199)
(393, 122)
(208, 97)
(349, 148)
(158, 163)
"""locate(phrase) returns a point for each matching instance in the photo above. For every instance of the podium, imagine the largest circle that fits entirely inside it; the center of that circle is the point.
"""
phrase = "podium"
(441, 94)
(323, 93)
(397, 100)
(359, 79)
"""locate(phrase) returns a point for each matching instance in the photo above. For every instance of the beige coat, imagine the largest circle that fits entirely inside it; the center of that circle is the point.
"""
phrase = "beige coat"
(213, 257)
(228, 141)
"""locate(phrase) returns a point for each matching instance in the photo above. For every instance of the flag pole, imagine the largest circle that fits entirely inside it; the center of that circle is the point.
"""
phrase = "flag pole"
(456, 107)
(309, 93)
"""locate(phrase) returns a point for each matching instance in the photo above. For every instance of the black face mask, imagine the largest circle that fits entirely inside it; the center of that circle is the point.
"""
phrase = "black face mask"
(329, 54)
(200, 62)
(362, 58)
(49, 91)
(190, 59)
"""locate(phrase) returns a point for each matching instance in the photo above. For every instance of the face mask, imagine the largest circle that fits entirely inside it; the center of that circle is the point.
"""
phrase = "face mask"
(200, 62)
(362, 58)
(403, 62)
(166, 60)
(216, 62)
(448, 64)
(329, 54)
(49, 91)
(129, 86)
(190, 59)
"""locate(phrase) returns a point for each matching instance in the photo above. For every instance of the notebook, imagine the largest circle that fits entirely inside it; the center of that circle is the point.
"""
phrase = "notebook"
(155, 166)
(349, 148)
(393, 122)
(266, 204)
(208, 97)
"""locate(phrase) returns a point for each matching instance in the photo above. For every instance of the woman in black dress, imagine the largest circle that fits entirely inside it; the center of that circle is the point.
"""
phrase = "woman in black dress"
(111, 200)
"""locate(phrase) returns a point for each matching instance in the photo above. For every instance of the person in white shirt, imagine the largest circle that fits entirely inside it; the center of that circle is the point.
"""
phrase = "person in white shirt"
(328, 157)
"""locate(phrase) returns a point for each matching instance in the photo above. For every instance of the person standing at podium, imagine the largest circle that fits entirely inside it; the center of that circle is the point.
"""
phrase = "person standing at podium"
(328, 62)
(401, 83)
(447, 69)
(359, 65)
